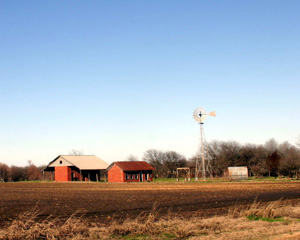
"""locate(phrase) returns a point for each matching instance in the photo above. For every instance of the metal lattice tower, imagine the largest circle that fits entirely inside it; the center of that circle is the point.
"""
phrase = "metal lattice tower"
(200, 115)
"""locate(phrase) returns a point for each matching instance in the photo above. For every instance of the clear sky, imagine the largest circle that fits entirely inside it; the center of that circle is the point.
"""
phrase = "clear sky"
(115, 78)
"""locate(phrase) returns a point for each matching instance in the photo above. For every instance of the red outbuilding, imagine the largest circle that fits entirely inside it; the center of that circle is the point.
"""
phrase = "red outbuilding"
(130, 171)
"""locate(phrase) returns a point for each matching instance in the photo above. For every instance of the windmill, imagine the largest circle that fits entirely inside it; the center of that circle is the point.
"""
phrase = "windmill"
(200, 115)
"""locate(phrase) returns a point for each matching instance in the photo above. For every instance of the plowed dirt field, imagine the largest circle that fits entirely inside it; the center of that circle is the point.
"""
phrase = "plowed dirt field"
(103, 201)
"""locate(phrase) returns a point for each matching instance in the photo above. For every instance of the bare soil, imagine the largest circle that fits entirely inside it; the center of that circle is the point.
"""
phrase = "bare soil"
(104, 201)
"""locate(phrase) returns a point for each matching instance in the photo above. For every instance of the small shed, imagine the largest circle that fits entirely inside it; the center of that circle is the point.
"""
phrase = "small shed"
(77, 168)
(238, 173)
(130, 171)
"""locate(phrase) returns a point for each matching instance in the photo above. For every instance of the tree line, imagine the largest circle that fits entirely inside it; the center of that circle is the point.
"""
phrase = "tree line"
(15, 174)
(271, 159)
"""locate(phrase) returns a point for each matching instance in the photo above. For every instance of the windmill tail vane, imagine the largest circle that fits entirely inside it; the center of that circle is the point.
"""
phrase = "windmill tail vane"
(212, 114)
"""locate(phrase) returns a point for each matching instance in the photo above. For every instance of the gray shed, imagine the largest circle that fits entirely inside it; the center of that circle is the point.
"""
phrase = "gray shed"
(238, 173)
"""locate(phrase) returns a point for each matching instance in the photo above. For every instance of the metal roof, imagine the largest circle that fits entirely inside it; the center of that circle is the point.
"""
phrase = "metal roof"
(133, 165)
(83, 162)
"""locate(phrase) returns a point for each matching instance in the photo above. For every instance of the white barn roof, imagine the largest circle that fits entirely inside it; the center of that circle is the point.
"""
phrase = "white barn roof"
(83, 162)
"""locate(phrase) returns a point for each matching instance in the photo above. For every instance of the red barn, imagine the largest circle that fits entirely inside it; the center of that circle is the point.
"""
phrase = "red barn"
(131, 171)
(76, 168)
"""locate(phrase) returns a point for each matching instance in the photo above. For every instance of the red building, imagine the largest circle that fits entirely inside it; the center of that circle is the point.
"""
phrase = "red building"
(77, 168)
(131, 171)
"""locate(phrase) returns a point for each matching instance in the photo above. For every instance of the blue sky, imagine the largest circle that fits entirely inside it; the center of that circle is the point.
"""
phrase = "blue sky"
(115, 78)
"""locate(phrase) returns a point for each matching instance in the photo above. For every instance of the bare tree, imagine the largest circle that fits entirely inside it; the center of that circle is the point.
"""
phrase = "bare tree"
(271, 145)
(75, 152)
(257, 164)
(298, 141)
(4, 172)
(33, 173)
(165, 163)
(290, 159)
(273, 162)
(18, 173)
(132, 158)
(155, 158)
(213, 155)
(223, 154)
(171, 161)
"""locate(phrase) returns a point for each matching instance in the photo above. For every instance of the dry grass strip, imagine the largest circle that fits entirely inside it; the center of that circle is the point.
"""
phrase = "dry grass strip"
(281, 221)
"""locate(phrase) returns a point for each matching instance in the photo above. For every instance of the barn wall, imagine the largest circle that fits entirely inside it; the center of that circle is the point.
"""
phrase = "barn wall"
(60, 162)
(62, 174)
(134, 178)
(116, 174)
(144, 173)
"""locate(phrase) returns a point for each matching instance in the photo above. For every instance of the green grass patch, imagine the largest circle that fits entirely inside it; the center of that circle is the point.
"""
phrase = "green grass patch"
(266, 219)
(135, 237)
(270, 179)
(182, 180)
(168, 236)
(221, 179)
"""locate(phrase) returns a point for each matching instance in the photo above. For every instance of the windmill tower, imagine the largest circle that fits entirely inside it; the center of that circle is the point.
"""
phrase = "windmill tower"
(200, 116)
